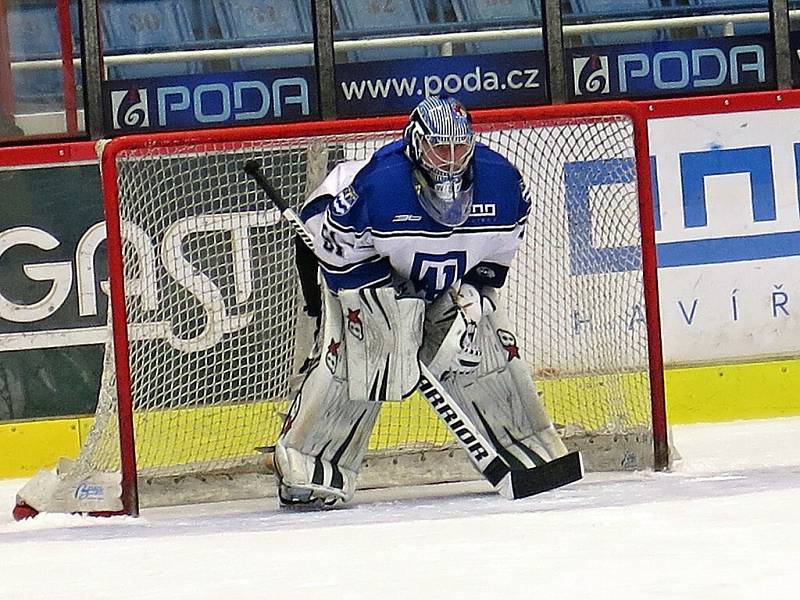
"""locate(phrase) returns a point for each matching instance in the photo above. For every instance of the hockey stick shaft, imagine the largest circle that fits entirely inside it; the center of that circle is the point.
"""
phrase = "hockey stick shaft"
(253, 169)
(482, 454)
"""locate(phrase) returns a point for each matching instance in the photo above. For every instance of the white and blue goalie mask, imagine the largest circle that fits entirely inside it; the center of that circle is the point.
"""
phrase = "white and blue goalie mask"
(441, 143)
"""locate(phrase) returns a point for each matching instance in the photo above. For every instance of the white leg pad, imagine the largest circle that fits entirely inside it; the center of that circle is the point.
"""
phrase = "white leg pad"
(299, 471)
(383, 334)
(500, 396)
(325, 434)
(324, 439)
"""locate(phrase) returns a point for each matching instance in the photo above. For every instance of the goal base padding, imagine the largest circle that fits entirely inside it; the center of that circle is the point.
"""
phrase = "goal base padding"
(64, 490)
(23, 511)
(254, 478)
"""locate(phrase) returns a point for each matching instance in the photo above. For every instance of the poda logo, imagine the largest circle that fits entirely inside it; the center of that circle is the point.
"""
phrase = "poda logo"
(129, 109)
(698, 68)
(591, 75)
(207, 103)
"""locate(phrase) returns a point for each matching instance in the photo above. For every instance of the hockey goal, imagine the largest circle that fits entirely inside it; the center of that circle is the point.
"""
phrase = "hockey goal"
(206, 333)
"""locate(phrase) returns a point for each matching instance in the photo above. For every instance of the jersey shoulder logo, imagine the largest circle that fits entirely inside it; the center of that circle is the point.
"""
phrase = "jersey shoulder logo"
(344, 201)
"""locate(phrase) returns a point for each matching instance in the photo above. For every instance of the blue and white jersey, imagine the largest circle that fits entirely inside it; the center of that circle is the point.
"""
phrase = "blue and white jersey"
(370, 230)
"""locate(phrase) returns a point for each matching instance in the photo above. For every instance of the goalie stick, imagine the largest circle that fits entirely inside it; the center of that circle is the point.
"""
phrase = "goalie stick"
(253, 169)
(520, 483)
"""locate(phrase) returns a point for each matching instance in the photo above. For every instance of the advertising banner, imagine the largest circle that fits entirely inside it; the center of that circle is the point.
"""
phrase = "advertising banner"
(210, 100)
(52, 303)
(52, 256)
(728, 234)
(794, 49)
(671, 68)
(479, 81)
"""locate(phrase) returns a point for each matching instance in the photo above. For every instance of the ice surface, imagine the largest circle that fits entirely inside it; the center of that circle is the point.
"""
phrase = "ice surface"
(723, 525)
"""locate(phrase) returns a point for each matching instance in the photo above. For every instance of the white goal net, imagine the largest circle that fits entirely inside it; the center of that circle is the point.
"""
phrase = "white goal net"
(211, 303)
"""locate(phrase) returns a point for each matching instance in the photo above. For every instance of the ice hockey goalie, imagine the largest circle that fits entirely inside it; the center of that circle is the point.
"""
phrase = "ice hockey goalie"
(412, 247)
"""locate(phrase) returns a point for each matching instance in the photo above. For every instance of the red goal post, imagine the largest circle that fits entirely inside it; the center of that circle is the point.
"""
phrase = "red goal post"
(182, 219)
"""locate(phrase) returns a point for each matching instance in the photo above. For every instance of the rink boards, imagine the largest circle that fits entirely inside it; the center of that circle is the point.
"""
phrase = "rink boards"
(726, 197)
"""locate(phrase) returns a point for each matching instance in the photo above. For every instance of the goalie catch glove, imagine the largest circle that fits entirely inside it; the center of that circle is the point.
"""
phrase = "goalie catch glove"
(454, 319)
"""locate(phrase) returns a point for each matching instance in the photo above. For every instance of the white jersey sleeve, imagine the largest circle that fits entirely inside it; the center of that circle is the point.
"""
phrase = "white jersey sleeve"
(339, 178)
(340, 227)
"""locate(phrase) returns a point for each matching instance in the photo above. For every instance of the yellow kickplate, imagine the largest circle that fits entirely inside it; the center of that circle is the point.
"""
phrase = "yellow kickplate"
(733, 392)
(27, 447)
(694, 395)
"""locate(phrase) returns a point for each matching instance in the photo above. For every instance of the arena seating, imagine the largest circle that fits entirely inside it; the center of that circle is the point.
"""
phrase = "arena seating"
(486, 14)
(146, 25)
(137, 26)
(34, 35)
(254, 23)
(731, 7)
(359, 19)
(593, 11)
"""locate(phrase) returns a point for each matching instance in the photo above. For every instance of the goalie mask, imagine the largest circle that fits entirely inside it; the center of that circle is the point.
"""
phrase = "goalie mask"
(441, 143)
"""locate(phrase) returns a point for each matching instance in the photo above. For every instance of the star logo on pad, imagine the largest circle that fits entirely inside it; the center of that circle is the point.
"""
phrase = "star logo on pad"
(513, 352)
(333, 347)
(332, 355)
(509, 343)
(354, 324)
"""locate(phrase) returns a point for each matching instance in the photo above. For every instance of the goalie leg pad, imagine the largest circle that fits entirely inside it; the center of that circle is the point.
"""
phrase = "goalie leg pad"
(451, 324)
(383, 335)
(319, 452)
(324, 440)
(501, 399)
(519, 372)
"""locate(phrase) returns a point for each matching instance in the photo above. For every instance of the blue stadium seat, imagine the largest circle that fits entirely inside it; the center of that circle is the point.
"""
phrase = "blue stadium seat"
(360, 19)
(34, 35)
(593, 11)
(202, 19)
(139, 26)
(731, 7)
(260, 22)
(490, 14)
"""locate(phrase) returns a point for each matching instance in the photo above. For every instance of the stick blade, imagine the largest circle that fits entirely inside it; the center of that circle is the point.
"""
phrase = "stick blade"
(551, 475)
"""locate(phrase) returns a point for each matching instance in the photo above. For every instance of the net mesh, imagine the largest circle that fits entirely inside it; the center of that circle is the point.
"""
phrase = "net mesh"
(212, 295)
